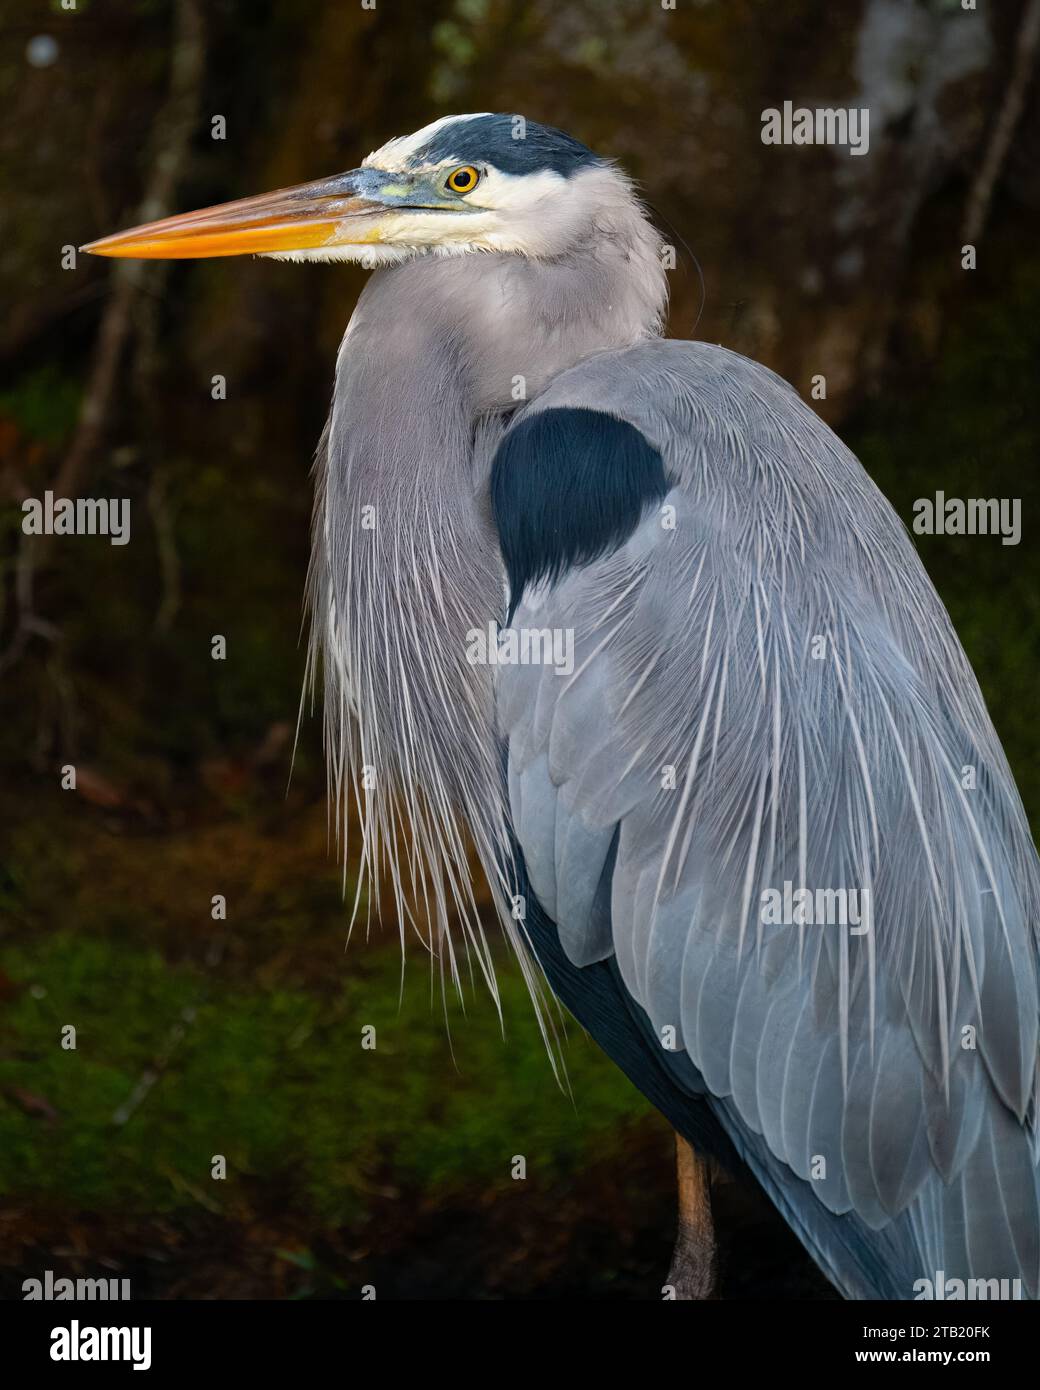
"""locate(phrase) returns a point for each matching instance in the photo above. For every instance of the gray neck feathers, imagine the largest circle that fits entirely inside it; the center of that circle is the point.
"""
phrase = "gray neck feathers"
(405, 561)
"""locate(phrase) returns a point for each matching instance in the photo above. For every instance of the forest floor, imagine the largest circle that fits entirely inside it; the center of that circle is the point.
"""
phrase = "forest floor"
(243, 1038)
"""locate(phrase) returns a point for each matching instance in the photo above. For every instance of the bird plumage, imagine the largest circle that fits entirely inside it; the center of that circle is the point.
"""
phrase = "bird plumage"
(779, 645)
(406, 561)
(767, 700)
(881, 1085)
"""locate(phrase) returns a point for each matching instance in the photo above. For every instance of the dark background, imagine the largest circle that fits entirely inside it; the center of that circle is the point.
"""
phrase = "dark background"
(241, 1037)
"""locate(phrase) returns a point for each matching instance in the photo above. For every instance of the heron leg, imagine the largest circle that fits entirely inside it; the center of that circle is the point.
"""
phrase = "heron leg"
(693, 1270)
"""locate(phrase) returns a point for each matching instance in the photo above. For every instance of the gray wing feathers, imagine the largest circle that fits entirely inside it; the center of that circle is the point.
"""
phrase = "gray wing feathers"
(769, 690)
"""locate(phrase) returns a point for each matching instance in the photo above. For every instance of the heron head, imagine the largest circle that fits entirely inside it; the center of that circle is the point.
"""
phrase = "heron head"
(465, 183)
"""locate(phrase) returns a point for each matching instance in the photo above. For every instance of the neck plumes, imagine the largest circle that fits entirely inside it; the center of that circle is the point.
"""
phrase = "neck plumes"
(406, 562)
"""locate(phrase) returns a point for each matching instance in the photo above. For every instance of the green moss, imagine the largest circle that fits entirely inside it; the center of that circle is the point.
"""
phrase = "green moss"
(44, 404)
(279, 1083)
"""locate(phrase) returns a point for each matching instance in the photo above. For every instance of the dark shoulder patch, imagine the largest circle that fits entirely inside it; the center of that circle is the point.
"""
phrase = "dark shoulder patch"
(567, 486)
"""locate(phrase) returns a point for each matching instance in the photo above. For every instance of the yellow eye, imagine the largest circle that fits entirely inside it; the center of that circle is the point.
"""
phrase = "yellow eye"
(463, 179)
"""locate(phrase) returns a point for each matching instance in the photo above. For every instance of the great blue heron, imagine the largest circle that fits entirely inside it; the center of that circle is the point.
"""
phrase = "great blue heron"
(755, 697)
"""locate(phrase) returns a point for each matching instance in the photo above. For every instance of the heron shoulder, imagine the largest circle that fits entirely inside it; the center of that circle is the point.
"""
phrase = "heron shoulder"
(657, 382)
(738, 440)
(569, 484)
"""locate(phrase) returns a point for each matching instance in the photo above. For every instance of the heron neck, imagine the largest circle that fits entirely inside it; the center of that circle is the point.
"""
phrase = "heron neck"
(406, 564)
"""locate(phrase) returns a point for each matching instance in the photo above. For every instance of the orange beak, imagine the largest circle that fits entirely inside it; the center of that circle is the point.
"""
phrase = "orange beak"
(309, 216)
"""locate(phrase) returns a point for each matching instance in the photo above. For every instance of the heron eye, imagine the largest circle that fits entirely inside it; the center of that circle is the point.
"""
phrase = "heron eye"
(464, 179)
